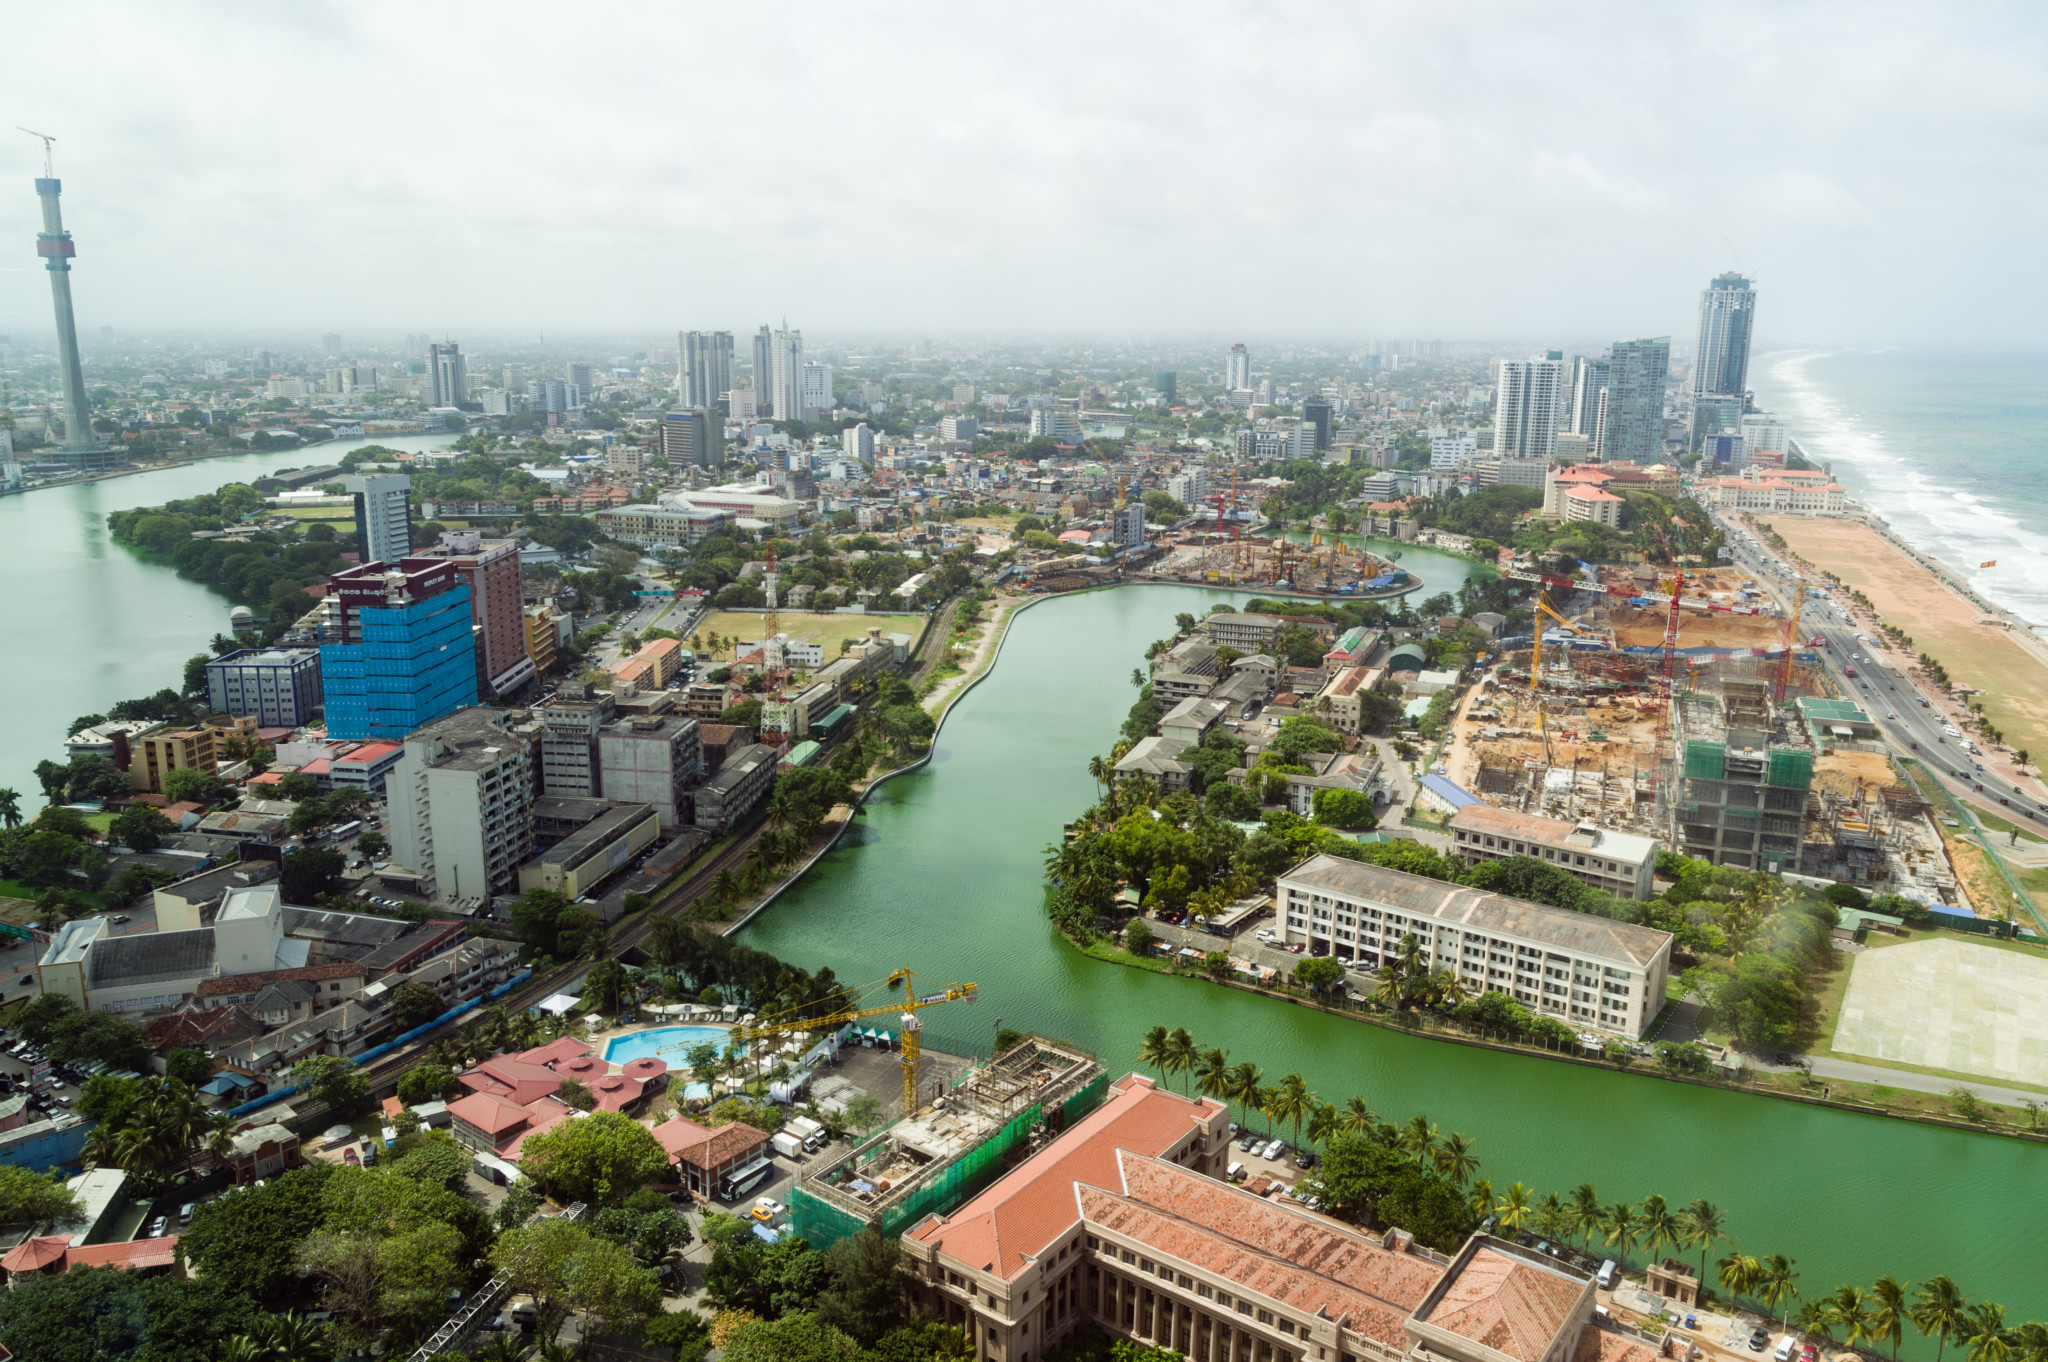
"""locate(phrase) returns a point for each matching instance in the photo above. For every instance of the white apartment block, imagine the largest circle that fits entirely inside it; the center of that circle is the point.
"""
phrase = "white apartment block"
(462, 807)
(1761, 430)
(1448, 451)
(1188, 486)
(1525, 408)
(1620, 862)
(1591, 973)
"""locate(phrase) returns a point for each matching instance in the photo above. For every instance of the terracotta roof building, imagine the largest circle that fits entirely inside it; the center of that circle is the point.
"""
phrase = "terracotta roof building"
(1116, 1224)
(704, 1156)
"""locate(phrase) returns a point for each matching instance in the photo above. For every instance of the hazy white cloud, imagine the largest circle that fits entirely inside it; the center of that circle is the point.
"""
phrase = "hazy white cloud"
(1309, 169)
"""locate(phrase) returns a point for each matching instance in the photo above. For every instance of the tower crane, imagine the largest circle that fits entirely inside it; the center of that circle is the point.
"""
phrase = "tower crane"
(853, 1004)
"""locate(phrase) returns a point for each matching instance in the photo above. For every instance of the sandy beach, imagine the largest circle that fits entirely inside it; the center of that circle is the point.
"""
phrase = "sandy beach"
(1990, 650)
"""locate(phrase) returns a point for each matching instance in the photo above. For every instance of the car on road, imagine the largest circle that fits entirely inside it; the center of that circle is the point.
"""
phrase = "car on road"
(1246, 1145)
(769, 1204)
(1265, 934)
(157, 1227)
(1758, 1341)
(1274, 1149)
(120, 918)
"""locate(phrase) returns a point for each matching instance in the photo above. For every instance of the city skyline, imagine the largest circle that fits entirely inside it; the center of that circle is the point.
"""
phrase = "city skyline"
(1404, 133)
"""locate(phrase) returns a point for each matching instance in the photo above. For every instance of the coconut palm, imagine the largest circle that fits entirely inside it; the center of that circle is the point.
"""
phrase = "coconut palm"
(1322, 1123)
(1181, 1052)
(1585, 1208)
(1479, 1196)
(1700, 1227)
(1888, 1316)
(1212, 1074)
(1777, 1285)
(1244, 1080)
(1292, 1101)
(290, 1337)
(1513, 1208)
(1100, 770)
(1455, 1160)
(1939, 1312)
(1418, 1138)
(1740, 1274)
(1152, 1050)
(1660, 1227)
(1989, 1340)
(10, 808)
(1358, 1118)
(1621, 1226)
(1552, 1218)
(1260, 1099)
(1817, 1318)
(1849, 1310)
(2030, 1342)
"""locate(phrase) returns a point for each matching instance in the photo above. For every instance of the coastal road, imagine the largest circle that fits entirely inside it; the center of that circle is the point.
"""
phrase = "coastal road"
(1893, 701)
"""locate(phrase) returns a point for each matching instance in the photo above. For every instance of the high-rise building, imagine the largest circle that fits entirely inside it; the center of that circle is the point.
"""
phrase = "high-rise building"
(1168, 384)
(816, 396)
(691, 439)
(547, 395)
(330, 341)
(764, 369)
(652, 759)
(491, 568)
(786, 375)
(1589, 380)
(399, 651)
(704, 372)
(1762, 430)
(383, 515)
(1525, 407)
(1720, 361)
(448, 372)
(858, 442)
(1188, 486)
(1632, 429)
(461, 802)
(1127, 526)
(1240, 371)
(1317, 414)
(570, 720)
(80, 448)
(578, 383)
(278, 687)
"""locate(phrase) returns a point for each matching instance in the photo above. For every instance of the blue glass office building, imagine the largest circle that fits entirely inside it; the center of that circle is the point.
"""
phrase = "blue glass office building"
(415, 664)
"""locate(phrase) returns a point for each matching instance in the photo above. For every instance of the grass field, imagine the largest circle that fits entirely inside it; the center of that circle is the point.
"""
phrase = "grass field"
(804, 627)
(1940, 623)
(318, 512)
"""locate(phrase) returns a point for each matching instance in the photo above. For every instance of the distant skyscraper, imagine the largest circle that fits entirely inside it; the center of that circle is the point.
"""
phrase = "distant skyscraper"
(383, 515)
(858, 442)
(1168, 384)
(764, 369)
(578, 383)
(1589, 380)
(330, 341)
(547, 395)
(1632, 430)
(688, 438)
(449, 373)
(705, 369)
(786, 374)
(53, 243)
(1240, 375)
(1720, 361)
(1317, 414)
(817, 389)
(1525, 408)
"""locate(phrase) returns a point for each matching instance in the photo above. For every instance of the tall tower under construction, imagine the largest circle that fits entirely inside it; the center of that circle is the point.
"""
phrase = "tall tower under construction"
(53, 244)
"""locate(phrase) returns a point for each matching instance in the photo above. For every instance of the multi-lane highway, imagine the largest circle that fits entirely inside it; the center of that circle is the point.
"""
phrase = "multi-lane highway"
(1892, 700)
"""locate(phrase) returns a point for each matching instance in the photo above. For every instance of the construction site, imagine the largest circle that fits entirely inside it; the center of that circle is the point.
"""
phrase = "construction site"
(933, 1160)
(1682, 709)
(1325, 566)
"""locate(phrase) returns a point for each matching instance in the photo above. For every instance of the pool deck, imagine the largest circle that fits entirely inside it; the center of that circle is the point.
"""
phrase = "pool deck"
(600, 1041)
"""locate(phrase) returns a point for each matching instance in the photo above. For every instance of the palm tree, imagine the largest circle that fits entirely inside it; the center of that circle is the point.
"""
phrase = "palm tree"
(1776, 1286)
(1740, 1274)
(1818, 1318)
(1391, 988)
(2030, 1342)
(1292, 1101)
(1244, 1080)
(1660, 1227)
(1152, 1050)
(1260, 1099)
(1622, 1225)
(1180, 1054)
(1455, 1160)
(1419, 1139)
(10, 808)
(1100, 770)
(1887, 1302)
(1552, 1218)
(1479, 1196)
(1700, 1227)
(1322, 1123)
(1212, 1074)
(1990, 1340)
(1358, 1118)
(290, 1337)
(1938, 1312)
(1513, 1208)
(1585, 1208)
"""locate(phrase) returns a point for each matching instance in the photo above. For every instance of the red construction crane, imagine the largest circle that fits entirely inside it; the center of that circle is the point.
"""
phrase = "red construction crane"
(1562, 583)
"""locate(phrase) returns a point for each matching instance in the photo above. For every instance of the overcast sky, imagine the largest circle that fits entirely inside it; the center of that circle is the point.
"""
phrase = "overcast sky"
(1342, 171)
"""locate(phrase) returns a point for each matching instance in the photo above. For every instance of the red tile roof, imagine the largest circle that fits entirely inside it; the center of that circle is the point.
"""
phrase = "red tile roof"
(1605, 1345)
(679, 1134)
(513, 1079)
(1508, 1304)
(54, 1250)
(562, 1047)
(490, 1114)
(725, 1143)
(1033, 1206)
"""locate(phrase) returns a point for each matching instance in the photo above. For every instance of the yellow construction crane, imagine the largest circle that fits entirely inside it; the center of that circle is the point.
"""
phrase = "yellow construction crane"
(855, 1004)
(1542, 608)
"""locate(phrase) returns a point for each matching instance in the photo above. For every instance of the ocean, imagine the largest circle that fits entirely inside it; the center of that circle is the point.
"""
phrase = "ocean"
(1952, 450)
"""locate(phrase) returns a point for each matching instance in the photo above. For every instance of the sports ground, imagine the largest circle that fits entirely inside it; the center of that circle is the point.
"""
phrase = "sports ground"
(1951, 1005)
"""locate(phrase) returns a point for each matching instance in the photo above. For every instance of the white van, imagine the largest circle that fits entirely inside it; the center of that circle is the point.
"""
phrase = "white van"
(1787, 1346)
(1607, 1271)
(1234, 1173)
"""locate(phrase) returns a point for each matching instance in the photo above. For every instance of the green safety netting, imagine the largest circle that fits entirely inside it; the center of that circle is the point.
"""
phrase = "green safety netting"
(1790, 768)
(824, 1224)
(1084, 1101)
(1705, 760)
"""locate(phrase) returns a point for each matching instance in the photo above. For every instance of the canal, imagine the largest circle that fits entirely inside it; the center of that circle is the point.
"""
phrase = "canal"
(942, 875)
(90, 623)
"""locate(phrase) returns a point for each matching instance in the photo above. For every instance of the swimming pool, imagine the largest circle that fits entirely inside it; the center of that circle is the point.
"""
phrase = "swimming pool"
(642, 1043)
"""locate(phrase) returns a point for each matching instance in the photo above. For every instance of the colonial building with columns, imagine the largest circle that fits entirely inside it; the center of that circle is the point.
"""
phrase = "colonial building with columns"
(1122, 1222)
